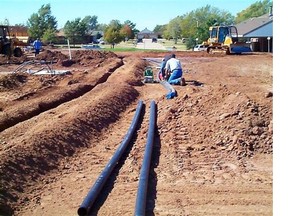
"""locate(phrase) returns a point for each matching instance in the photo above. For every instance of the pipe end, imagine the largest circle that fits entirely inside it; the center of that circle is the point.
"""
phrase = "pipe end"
(82, 211)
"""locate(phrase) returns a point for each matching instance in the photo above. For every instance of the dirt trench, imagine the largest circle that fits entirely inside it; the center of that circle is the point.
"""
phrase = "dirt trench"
(61, 114)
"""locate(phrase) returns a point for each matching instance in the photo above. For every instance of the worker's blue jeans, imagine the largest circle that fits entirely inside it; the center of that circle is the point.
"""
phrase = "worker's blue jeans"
(175, 77)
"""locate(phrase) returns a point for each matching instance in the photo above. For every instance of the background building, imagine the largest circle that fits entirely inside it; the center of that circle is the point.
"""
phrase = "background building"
(260, 32)
(146, 33)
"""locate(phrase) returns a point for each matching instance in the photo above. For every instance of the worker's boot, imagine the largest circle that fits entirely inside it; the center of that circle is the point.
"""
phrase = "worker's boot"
(182, 81)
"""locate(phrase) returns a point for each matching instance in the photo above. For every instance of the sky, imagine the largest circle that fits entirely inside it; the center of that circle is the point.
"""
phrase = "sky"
(144, 13)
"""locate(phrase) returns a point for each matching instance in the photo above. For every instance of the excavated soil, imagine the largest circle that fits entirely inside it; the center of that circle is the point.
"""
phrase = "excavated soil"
(212, 154)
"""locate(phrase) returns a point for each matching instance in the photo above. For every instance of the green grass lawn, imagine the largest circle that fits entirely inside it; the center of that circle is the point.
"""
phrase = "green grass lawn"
(129, 46)
(169, 44)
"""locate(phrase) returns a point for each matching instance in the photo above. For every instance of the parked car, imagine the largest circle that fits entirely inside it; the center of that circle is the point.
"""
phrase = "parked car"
(200, 47)
(154, 40)
(139, 40)
(91, 46)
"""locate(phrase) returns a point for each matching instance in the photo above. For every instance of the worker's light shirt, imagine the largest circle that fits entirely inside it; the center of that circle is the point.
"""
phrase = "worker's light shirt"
(173, 64)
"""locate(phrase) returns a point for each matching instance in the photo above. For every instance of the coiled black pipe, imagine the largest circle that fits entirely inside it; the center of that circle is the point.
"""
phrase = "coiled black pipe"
(171, 91)
(140, 206)
(98, 185)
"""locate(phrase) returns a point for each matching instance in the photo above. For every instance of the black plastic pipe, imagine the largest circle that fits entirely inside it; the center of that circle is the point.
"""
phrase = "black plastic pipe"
(140, 206)
(171, 91)
(98, 185)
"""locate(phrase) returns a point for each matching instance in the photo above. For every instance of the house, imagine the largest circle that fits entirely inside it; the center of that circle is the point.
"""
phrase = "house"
(146, 33)
(90, 37)
(96, 35)
(259, 30)
(60, 37)
(19, 32)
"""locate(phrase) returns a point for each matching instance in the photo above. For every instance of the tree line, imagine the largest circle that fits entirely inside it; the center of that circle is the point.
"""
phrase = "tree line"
(192, 26)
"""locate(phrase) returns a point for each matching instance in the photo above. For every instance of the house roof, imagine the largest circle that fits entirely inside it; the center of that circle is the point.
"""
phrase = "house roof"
(265, 30)
(18, 30)
(60, 32)
(246, 27)
(146, 31)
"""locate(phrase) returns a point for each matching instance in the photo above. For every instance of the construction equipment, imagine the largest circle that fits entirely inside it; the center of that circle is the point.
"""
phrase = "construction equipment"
(9, 45)
(148, 75)
(225, 39)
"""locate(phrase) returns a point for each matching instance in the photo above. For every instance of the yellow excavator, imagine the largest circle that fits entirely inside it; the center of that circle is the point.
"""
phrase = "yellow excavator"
(8, 45)
(225, 39)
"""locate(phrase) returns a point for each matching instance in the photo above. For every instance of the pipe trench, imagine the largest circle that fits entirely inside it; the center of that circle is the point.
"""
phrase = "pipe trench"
(89, 200)
(140, 206)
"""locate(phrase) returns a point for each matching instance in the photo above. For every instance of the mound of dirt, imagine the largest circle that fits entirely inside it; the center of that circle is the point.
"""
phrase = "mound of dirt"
(12, 80)
(91, 57)
(91, 54)
(48, 55)
(12, 60)
(86, 58)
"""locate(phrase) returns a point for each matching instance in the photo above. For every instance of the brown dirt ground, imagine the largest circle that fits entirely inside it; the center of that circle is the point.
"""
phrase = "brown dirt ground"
(212, 152)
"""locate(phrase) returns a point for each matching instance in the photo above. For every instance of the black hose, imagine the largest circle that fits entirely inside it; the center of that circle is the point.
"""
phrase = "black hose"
(140, 206)
(98, 185)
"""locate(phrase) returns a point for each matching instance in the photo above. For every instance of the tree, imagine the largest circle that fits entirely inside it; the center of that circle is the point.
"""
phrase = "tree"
(75, 30)
(190, 43)
(132, 27)
(33, 26)
(173, 29)
(91, 22)
(112, 33)
(195, 25)
(257, 9)
(126, 32)
(39, 22)
(102, 27)
(20, 25)
(159, 30)
(5, 22)
(49, 36)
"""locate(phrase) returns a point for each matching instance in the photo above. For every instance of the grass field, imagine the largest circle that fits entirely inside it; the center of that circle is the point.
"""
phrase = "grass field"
(129, 46)
(169, 44)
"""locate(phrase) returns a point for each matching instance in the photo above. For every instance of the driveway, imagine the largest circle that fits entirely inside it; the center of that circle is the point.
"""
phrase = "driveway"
(147, 44)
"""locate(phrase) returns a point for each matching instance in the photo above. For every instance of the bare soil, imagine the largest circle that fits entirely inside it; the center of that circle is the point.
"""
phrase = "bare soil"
(212, 153)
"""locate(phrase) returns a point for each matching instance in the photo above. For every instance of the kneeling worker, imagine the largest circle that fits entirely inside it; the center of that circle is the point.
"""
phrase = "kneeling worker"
(173, 70)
